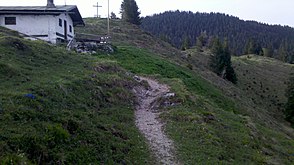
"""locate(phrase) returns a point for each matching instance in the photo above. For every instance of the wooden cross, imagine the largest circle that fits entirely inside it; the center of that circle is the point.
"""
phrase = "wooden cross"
(97, 6)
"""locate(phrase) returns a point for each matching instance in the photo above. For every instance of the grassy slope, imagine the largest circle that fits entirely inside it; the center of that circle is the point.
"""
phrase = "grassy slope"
(216, 121)
(207, 125)
(82, 112)
(265, 80)
(199, 140)
(260, 95)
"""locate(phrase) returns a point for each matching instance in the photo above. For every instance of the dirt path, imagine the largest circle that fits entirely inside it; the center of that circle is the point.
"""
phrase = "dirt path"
(147, 120)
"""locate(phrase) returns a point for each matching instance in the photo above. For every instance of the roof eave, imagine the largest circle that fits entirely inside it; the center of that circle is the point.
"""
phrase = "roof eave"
(32, 12)
(76, 16)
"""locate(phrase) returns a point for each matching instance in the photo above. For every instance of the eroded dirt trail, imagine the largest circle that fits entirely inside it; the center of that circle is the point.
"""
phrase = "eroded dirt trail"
(147, 120)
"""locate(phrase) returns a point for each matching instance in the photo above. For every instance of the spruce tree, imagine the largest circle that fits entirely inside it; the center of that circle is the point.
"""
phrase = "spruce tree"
(282, 52)
(268, 52)
(216, 63)
(220, 61)
(252, 47)
(186, 43)
(113, 15)
(231, 75)
(199, 44)
(201, 41)
(129, 12)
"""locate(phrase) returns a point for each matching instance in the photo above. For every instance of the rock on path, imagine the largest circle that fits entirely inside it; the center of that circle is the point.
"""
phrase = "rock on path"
(147, 120)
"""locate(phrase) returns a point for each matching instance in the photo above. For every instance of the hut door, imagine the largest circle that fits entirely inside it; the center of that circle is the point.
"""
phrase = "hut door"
(65, 30)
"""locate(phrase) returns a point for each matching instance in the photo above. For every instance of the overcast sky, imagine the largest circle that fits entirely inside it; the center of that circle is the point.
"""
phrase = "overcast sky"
(267, 11)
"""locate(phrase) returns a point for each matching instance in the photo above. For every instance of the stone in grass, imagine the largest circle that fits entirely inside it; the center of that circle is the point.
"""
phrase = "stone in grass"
(208, 118)
(167, 95)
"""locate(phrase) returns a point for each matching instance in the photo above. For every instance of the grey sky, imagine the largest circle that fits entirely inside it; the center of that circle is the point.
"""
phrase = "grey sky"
(267, 11)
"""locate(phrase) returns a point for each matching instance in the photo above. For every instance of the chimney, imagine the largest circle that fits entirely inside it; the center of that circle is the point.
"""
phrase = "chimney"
(50, 4)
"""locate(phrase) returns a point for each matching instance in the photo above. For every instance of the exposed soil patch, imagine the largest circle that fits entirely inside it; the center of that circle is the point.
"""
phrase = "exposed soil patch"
(148, 122)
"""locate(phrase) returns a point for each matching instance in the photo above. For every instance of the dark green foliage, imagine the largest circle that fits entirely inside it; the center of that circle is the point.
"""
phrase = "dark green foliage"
(199, 45)
(230, 74)
(216, 60)
(186, 43)
(220, 61)
(164, 38)
(253, 48)
(289, 111)
(201, 41)
(190, 66)
(282, 52)
(238, 32)
(129, 12)
(268, 52)
(113, 15)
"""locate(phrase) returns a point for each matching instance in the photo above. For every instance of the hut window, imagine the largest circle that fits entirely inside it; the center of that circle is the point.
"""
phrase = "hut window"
(10, 20)
(60, 22)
